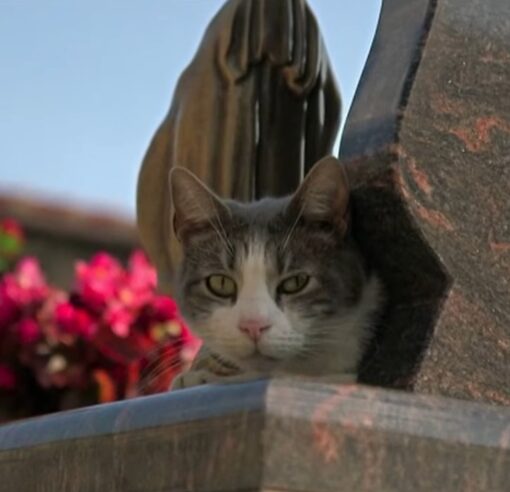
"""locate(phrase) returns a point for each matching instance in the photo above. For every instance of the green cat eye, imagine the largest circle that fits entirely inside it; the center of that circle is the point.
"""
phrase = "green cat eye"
(294, 284)
(221, 285)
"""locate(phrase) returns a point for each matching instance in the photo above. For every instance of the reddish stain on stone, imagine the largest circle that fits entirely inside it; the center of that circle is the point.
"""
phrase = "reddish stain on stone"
(477, 320)
(401, 184)
(327, 444)
(499, 247)
(323, 439)
(420, 177)
(477, 137)
(434, 218)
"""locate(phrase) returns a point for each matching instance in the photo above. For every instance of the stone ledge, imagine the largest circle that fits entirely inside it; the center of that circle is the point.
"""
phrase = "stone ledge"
(266, 435)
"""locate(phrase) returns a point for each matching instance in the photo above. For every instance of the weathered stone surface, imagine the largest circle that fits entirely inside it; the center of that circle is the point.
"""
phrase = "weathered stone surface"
(427, 143)
(266, 435)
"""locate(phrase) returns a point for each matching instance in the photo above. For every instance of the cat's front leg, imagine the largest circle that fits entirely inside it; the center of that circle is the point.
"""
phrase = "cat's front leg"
(198, 377)
(192, 378)
(342, 378)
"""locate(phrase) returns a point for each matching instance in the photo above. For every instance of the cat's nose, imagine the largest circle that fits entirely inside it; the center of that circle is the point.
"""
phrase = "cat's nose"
(254, 327)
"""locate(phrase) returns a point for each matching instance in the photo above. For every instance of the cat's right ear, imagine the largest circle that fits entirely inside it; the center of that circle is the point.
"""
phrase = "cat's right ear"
(195, 206)
(323, 195)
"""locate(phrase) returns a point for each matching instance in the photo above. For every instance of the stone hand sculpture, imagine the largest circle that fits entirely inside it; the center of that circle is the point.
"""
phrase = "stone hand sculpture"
(257, 106)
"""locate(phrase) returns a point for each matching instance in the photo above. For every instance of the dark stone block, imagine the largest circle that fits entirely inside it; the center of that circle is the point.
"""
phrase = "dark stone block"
(427, 145)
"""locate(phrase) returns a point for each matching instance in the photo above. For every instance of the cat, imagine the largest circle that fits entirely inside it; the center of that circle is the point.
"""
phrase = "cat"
(273, 287)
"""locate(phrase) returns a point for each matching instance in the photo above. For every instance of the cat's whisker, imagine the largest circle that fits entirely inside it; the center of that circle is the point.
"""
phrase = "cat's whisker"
(174, 362)
(230, 247)
(154, 361)
(154, 364)
(161, 369)
(291, 230)
(175, 343)
(222, 236)
(148, 382)
(212, 221)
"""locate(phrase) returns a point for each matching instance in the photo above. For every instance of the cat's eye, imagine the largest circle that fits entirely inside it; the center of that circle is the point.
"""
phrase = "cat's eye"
(221, 285)
(294, 284)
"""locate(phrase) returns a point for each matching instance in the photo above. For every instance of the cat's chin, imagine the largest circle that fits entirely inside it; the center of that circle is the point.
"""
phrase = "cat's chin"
(258, 362)
(253, 358)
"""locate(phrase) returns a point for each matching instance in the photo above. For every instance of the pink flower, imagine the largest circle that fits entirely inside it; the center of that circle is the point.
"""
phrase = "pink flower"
(119, 319)
(99, 280)
(163, 308)
(28, 331)
(142, 278)
(7, 378)
(23, 289)
(27, 284)
(75, 321)
(137, 288)
(8, 308)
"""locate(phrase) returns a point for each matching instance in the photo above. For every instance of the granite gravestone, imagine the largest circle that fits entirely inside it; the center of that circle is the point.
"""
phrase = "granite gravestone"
(427, 145)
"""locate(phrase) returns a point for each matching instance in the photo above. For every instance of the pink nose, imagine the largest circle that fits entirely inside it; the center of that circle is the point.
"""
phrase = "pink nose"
(254, 327)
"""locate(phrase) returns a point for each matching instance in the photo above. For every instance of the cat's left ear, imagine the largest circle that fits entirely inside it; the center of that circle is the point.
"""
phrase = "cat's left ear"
(195, 206)
(323, 196)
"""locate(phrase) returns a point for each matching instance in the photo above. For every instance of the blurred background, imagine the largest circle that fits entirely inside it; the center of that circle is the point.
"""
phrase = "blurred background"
(83, 87)
(85, 84)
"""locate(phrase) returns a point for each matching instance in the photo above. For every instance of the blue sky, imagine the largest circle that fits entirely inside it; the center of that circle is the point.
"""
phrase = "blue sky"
(84, 84)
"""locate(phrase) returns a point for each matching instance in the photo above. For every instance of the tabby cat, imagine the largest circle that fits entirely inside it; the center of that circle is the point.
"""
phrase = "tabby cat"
(275, 286)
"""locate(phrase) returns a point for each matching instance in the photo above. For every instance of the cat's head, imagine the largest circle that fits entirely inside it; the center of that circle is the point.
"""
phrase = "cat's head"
(272, 282)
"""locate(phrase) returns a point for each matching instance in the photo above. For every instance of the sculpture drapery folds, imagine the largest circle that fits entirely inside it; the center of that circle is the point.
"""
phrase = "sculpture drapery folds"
(257, 106)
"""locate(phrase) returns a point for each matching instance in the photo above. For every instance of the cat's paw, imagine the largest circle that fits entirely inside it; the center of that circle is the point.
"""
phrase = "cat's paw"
(193, 378)
(343, 378)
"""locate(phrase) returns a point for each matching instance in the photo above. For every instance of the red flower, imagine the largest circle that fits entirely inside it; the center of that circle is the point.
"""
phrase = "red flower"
(104, 334)
(8, 378)
(99, 280)
(28, 331)
(27, 284)
(163, 308)
(8, 308)
(12, 228)
(75, 321)
(21, 290)
(142, 278)
(119, 319)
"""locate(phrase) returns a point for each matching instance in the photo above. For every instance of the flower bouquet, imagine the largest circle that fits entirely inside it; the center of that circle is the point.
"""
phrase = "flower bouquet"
(112, 337)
